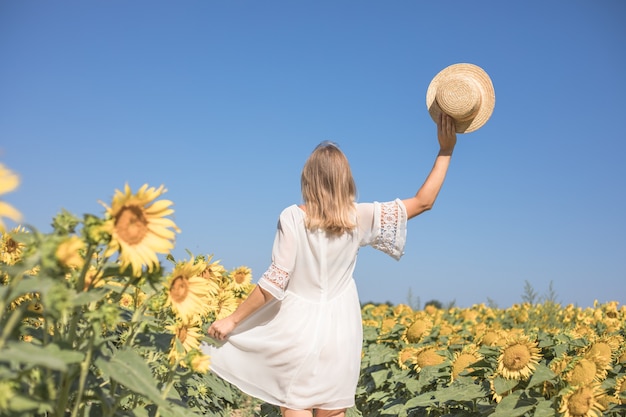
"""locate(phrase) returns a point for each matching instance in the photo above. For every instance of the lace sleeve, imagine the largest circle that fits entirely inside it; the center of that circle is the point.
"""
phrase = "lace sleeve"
(392, 234)
(274, 281)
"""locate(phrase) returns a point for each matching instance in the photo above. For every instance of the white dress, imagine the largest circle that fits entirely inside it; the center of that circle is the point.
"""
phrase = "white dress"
(303, 349)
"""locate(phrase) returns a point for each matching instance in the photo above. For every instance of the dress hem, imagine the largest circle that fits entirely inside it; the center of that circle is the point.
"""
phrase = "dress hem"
(259, 394)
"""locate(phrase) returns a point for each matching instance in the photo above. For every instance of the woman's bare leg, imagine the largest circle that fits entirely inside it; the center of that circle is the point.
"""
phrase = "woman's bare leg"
(330, 413)
(286, 412)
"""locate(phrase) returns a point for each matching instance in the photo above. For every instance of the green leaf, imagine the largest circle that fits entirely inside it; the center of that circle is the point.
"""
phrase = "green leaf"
(32, 284)
(21, 404)
(542, 373)
(90, 296)
(412, 385)
(218, 387)
(353, 412)
(380, 377)
(129, 369)
(513, 406)
(380, 354)
(460, 392)
(503, 385)
(50, 356)
(422, 400)
(544, 409)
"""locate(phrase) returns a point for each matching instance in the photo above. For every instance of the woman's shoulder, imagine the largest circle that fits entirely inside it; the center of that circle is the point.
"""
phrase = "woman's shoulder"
(293, 211)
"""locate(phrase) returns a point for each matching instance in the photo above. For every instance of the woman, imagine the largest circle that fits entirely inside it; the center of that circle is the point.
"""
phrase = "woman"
(296, 340)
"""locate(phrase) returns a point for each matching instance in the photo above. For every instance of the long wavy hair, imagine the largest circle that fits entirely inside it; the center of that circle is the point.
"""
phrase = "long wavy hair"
(328, 190)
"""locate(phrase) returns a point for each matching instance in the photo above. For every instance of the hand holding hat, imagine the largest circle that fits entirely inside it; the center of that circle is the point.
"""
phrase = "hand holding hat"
(464, 92)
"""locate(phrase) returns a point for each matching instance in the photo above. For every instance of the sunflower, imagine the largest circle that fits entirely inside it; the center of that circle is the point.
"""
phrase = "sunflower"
(138, 227)
(8, 182)
(370, 323)
(519, 357)
(431, 310)
(10, 249)
(223, 304)
(402, 310)
(584, 372)
(240, 278)
(415, 331)
(620, 390)
(387, 324)
(93, 278)
(469, 316)
(380, 310)
(127, 301)
(603, 350)
(428, 356)
(447, 329)
(583, 330)
(245, 292)
(188, 293)
(560, 364)
(407, 355)
(201, 363)
(491, 338)
(188, 332)
(582, 402)
(68, 252)
(213, 271)
(462, 360)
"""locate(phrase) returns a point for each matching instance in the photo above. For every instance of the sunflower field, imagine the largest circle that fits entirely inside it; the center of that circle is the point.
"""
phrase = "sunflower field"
(92, 324)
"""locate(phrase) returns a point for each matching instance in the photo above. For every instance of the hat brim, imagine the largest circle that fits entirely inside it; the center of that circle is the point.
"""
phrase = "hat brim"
(487, 95)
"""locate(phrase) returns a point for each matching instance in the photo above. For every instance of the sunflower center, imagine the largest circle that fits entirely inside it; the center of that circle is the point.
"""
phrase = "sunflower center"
(182, 334)
(428, 358)
(405, 355)
(584, 372)
(11, 246)
(490, 338)
(516, 357)
(462, 363)
(131, 224)
(240, 277)
(580, 403)
(601, 352)
(179, 289)
(416, 331)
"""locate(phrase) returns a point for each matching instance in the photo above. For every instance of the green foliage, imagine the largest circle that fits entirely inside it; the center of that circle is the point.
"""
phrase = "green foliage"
(71, 347)
(390, 388)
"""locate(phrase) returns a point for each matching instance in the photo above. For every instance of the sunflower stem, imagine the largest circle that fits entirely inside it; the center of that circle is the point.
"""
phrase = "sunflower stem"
(80, 287)
(13, 320)
(136, 324)
(168, 387)
(84, 370)
(64, 394)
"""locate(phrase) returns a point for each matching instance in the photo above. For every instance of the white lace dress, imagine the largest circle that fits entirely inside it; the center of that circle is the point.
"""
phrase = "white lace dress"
(303, 350)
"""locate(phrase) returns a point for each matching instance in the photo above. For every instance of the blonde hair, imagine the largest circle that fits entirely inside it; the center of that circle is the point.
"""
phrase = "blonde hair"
(328, 190)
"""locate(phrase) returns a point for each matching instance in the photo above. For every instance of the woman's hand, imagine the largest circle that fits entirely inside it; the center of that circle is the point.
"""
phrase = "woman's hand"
(220, 329)
(446, 133)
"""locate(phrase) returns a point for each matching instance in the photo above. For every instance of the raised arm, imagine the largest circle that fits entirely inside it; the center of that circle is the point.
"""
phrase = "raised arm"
(427, 194)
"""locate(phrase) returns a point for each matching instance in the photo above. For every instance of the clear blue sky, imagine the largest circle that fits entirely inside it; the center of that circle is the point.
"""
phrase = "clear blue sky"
(222, 102)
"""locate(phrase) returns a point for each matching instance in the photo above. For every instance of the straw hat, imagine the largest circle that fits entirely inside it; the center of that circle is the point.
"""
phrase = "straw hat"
(464, 92)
